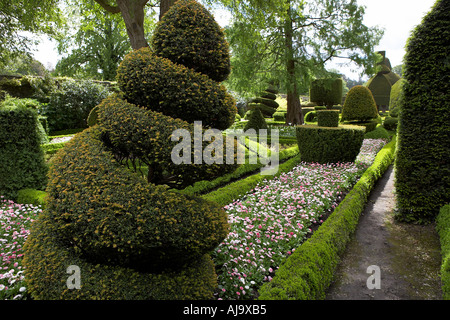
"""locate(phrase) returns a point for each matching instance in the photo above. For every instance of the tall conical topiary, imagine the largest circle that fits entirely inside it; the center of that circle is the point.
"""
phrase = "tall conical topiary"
(256, 121)
(129, 237)
(422, 161)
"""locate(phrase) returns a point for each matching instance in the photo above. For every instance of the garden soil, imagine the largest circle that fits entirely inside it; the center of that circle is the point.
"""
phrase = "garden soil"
(408, 256)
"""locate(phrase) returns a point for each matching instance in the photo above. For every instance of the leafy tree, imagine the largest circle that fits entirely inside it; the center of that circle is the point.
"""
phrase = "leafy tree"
(100, 41)
(398, 69)
(291, 41)
(20, 16)
(133, 13)
(22, 64)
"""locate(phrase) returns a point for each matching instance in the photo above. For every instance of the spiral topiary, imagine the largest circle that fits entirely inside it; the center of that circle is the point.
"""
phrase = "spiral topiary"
(134, 238)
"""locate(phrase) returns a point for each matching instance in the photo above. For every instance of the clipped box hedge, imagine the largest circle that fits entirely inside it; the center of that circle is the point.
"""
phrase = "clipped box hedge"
(328, 144)
(328, 118)
(309, 271)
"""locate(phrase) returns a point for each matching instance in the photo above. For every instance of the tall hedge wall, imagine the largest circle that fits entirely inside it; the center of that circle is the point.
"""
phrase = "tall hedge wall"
(423, 159)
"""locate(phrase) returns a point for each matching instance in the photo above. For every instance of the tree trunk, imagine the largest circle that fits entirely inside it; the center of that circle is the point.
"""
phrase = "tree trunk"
(294, 109)
(164, 6)
(133, 16)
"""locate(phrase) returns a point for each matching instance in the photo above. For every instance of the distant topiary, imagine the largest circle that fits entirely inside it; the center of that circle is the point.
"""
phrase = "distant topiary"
(422, 161)
(256, 121)
(359, 105)
(326, 92)
(396, 98)
(110, 210)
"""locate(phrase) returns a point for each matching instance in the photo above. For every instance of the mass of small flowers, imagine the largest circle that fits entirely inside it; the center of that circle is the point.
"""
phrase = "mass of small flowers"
(272, 220)
(267, 225)
(15, 222)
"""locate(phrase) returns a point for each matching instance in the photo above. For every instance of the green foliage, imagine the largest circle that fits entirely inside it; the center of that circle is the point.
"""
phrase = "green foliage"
(69, 107)
(327, 92)
(188, 35)
(309, 271)
(379, 133)
(264, 109)
(422, 163)
(396, 98)
(21, 16)
(328, 144)
(443, 230)
(390, 123)
(22, 162)
(279, 116)
(135, 238)
(32, 196)
(177, 91)
(311, 116)
(256, 121)
(359, 105)
(327, 118)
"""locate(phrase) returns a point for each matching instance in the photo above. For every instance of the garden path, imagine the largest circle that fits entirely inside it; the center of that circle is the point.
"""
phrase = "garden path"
(408, 256)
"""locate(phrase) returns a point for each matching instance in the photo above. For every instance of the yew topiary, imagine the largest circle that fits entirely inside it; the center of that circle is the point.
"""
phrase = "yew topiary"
(132, 236)
(359, 105)
(422, 161)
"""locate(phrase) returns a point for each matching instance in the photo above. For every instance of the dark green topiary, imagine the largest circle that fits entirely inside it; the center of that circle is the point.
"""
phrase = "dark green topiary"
(256, 121)
(326, 92)
(265, 110)
(329, 145)
(134, 238)
(359, 105)
(422, 162)
(189, 35)
(396, 98)
(22, 162)
(327, 118)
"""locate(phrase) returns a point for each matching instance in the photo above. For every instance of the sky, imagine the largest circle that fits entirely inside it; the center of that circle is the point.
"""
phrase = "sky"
(397, 17)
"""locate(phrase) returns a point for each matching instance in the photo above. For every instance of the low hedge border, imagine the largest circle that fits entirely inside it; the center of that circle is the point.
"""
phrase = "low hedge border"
(309, 271)
(443, 229)
(237, 189)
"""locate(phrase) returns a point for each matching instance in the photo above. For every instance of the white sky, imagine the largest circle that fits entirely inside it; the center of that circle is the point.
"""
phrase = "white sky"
(397, 17)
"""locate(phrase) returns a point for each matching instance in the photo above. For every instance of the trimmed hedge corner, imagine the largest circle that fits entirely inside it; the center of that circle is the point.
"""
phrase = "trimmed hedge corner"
(309, 271)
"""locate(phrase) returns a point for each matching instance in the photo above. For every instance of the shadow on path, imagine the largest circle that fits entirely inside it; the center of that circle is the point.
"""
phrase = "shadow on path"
(408, 256)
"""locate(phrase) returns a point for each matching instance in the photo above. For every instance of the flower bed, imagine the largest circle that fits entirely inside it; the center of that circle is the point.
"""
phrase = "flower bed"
(273, 219)
(15, 222)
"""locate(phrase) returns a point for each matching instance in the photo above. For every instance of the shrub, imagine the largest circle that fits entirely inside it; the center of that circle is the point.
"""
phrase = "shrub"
(443, 230)
(379, 133)
(256, 121)
(69, 107)
(279, 116)
(359, 105)
(268, 102)
(22, 162)
(311, 116)
(396, 98)
(265, 110)
(422, 162)
(327, 144)
(390, 123)
(32, 196)
(327, 118)
(189, 35)
(133, 238)
(327, 92)
(174, 90)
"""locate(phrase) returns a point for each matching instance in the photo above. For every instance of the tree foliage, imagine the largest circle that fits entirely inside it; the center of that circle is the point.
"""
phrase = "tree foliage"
(20, 18)
(292, 40)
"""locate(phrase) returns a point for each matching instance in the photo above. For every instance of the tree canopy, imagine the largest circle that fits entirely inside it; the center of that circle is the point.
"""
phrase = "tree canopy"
(292, 40)
(20, 19)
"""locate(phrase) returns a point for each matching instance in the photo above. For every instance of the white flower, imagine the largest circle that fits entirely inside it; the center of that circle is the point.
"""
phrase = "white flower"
(22, 289)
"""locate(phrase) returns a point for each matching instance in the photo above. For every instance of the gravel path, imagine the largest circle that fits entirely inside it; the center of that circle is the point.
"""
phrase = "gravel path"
(408, 256)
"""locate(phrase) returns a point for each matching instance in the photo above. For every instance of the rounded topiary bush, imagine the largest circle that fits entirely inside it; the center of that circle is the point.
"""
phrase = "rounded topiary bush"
(111, 210)
(189, 35)
(359, 105)
(422, 161)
